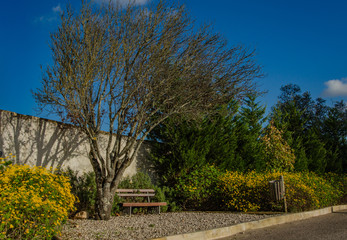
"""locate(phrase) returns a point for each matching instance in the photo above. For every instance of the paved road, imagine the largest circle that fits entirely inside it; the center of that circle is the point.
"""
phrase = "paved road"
(331, 226)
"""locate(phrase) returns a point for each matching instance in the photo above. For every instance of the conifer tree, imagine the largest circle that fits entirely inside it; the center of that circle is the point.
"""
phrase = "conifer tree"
(335, 137)
(287, 118)
(316, 152)
(278, 154)
(300, 118)
(181, 146)
(250, 128)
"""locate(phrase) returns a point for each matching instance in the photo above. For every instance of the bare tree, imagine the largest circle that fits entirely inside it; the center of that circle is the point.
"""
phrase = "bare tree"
(115, 68)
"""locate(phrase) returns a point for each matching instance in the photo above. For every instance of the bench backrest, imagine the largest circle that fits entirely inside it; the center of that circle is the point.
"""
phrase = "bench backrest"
(136, 193)
(135, 190)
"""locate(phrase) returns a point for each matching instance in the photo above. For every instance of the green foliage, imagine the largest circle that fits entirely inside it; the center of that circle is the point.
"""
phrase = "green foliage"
(319, 132)
(278, 154)
(252, 113)
(229, 140)
(33, 202)
(175, 149)
(315, 152)
(288, 118)
(303, 135)
(198, 190)
(174, 202)
(334, 133)
(138, 181)
(83, 186)
(248, 132)
(301, 163)
(220, 131)
(181, 146)
(338, 181)
(212, 189)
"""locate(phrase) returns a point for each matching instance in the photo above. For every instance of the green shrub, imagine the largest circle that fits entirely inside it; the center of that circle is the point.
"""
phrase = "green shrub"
(138, 181)
(338, 181)
(33, 202)
(198, 189)
(84, 187)
(171, 199)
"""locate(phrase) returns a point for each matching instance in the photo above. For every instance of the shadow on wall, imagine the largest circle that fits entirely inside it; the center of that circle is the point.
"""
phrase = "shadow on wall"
(40, 142)
(145, 165)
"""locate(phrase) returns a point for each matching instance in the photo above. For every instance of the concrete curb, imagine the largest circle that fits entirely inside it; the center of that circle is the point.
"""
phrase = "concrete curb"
(267, 222)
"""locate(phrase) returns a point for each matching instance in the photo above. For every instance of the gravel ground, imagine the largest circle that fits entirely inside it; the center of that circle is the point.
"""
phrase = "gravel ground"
(153, 225)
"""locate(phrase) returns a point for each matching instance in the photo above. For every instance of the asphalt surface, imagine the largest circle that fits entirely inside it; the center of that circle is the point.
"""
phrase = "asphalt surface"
(331, 226)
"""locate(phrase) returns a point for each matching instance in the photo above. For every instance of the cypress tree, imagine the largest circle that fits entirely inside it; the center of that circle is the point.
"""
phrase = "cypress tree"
(250, 128)
(335, 137)
(180, 147)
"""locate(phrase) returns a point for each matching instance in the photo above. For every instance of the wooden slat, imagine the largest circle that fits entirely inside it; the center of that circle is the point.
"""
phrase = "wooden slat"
(136, 194)
(136, 190)
(151, 204)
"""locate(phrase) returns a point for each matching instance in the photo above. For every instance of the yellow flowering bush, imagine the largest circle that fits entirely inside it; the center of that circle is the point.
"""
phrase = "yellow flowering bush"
(210, 189)
(33, 202)
(250, 191)
(241, 193)
(6, 161)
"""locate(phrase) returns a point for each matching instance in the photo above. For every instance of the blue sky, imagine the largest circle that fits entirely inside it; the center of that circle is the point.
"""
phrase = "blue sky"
(301, 42)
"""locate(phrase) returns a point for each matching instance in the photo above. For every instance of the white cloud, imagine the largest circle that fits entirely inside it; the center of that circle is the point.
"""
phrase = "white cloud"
(57, 9)
(45, 19)
(336, 88)
(53, 16)
(124, 2)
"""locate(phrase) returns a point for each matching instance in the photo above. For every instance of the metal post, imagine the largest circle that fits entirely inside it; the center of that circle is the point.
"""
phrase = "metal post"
(284, 194)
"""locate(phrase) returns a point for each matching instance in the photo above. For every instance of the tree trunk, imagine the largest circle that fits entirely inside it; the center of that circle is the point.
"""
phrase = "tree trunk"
(103, 202)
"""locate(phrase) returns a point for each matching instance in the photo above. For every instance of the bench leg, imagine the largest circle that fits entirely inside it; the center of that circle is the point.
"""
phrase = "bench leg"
(128, 211)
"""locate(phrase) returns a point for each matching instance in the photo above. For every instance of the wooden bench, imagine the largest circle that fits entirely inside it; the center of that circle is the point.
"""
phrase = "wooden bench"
(144, 193)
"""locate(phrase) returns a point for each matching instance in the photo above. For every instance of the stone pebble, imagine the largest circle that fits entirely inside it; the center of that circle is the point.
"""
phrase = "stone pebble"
(151, 226)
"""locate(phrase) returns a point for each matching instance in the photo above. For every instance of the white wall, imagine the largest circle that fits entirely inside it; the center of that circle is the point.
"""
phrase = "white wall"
(42, 142)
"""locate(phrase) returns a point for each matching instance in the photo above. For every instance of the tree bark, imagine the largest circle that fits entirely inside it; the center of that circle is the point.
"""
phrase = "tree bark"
(104, 201)
(104, 190)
